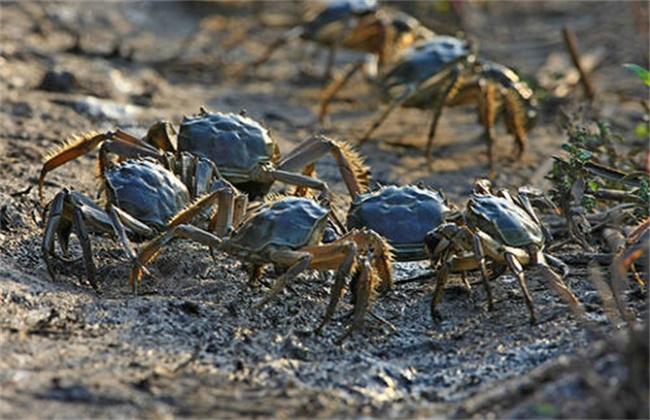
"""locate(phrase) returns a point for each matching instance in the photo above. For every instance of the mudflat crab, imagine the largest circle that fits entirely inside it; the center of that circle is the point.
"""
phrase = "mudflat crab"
(504, 229)
(359, 25)
(143, 192)
(442, 71)
(242, 149)
(403, 215)
(288, 232)
(248, 156)
(141, 198)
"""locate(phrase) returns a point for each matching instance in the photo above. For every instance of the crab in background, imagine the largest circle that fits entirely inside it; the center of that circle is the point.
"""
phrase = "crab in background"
(360, 25)
(442, 71)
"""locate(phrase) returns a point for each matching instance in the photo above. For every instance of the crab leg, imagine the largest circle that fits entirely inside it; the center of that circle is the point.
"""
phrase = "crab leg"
(160, 134)
(364, 281)
(454, 264)
(70, 208)
(117, 142)
(298, 261)
(369, 243)
(56, 226)
(350, 163)
(286, 38)
(149, 252)
(333, 88)
(487, 116)
(515, 124)
(557, 281)
(399, 100)
(518, 269)
(74, 149)
(118, 228)
(480, 257)
(447, 94)
(86, 247)
(293, 178)
(373, 275)
(178, 227)
(226, 216)
(204, 172)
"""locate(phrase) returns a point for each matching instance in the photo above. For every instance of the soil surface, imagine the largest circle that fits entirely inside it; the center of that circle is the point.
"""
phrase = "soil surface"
(190, 344)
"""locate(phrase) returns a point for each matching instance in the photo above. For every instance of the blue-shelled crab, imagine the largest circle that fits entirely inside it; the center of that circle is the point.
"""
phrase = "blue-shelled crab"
(442, 71)
(403, 215)
(360, 25)
(140, 197)
(248, 156)
(504, 229)
(288, 232)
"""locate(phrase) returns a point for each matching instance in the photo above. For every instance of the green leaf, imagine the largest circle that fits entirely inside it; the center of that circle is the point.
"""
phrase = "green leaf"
(640, 71)
(642, 130)
(583, 155)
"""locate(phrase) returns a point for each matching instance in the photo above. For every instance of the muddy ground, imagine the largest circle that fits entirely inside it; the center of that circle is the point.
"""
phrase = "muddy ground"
(189, 343)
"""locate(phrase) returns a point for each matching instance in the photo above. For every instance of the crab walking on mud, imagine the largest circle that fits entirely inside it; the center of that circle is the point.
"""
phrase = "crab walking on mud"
(141, 199)
(242, 149)
(403, 215)
(148, 193)
(504, 229)
(443, 72)
(359, 25)
(248, 156)
(289, 233)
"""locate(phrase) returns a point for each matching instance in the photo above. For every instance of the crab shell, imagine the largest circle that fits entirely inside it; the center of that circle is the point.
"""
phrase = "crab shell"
(326, 26)
(147, 191)
(237, 144)
(428, 58)
(421, 61)
(503, 220)
(401, 214)
(294, 222)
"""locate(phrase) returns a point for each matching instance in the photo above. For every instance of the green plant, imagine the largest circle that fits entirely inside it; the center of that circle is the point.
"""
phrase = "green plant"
(643, 128)
(599, 172)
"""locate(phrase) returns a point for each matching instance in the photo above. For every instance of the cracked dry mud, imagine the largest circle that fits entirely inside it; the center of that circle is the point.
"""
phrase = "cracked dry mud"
(190, 344)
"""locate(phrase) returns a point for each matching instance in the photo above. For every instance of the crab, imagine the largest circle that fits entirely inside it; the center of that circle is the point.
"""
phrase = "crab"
(242, 149)
(144, 193)
(443, 71)
(403, 215)
(288, 232)
(141, 199)
(358, 25)
(506, 230)
(248, 156)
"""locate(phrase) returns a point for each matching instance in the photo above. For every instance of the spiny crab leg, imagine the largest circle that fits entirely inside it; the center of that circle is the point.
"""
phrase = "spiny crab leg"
(71, 209)
(75, 148)
(354, 172)
(178, 227)
(399, 100)
(372, 271)
(112, 142)
(333, 88)
(364, 288)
